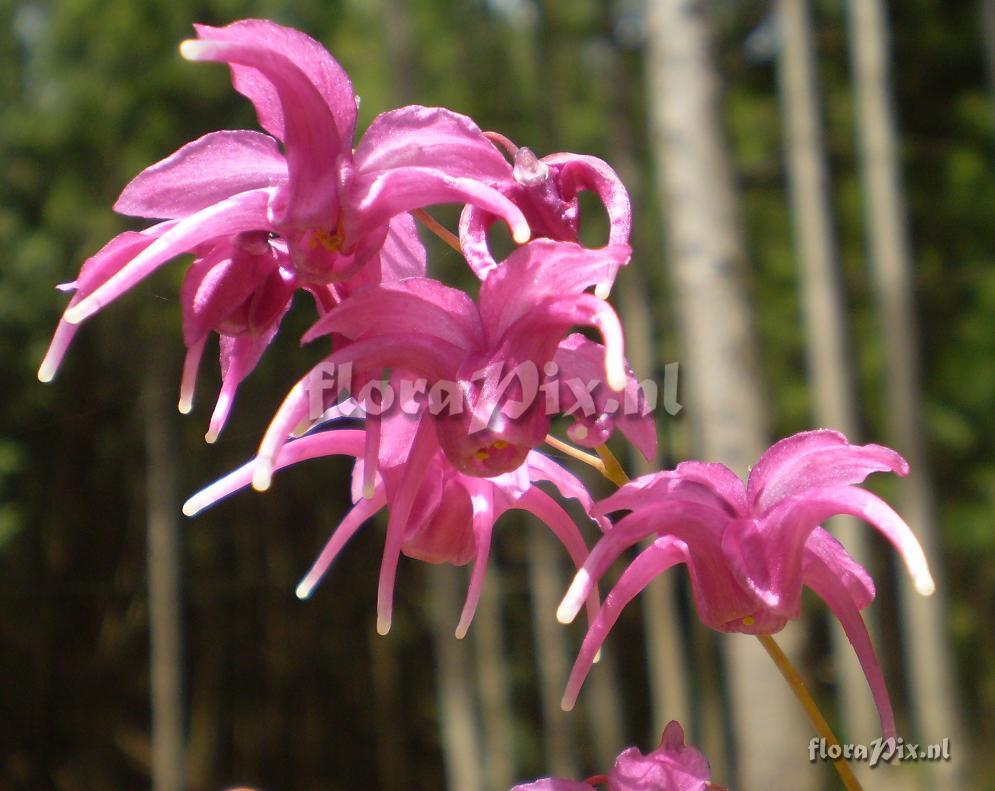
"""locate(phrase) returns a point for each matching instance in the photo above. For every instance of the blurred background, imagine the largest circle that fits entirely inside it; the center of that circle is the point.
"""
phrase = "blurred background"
(814, 210)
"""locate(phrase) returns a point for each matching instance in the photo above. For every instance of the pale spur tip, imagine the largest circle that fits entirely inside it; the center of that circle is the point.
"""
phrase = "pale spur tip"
(46, 372)
(184, 405)
(78, 312)
(211, 437)
(191, 49)
(597, 657)
(616, 376)
(602, 290)
(262, 475)
(567, 704)
(383, 625)
(925, 585)
(369, 489)
(303, 590)
(461, 630)
(572, 601)
(580, 432)
(192, 506)
(522, 234)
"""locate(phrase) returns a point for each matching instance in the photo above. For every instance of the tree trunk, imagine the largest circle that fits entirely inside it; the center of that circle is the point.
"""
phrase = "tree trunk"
(547, 582)
(457, 704)
(494, 686)
(724, 401)
(988, 37)
(934, 691)
(162, 507)
(830, 371)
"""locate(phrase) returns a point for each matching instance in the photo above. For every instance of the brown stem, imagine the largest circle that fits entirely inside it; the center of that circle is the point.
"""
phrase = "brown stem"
(435, 227)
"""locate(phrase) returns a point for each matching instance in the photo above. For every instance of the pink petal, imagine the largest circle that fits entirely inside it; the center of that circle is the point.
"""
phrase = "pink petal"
(417, 306)
(430, 137)
(362, 511)
(553, 784)
(311, 140)
(474, 224)
(543, 468)
(708, 483)
(321, 69)
(244, 212)
(815, 458)
(578, 171)
(581, 359)
(327, 443)
(827, 569)
(402, 254)
(651, 562)
(484, 517)
(206, 171)
(378, 196)
(799, 514)
(400, 501)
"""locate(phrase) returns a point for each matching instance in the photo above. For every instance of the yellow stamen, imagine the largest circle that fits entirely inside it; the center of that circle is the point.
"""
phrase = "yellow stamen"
(500, 444)
(749, 620)
(481, 455)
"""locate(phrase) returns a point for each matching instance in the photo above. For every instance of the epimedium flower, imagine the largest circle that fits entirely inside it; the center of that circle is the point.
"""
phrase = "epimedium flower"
(672, 766)
(750, 548)
(435, 513)
(494, 355)
(546, 190)
(328, 210)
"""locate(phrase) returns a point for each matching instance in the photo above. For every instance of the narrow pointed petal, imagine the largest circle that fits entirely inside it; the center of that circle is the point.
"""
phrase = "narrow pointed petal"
(543, 468)
(652, 561)
(188, 382)
(816, 458)
(347, 442)
(244, 212)
(312, 141)
(204, 172)
(362, 511)
(417, 306)
(578, 171)
(377, 197)
(474, 224)
(483, 524)
(432, 137)
(827, 584)
(57, 348)
(798, 514)
(689, 521)
(321, 69)
(401, 500)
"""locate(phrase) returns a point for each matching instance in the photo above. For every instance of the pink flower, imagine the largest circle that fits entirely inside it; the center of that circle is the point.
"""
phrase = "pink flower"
(491, 357)
(328, 209)
(435, 513)
(546, 191)
(750, 548)
(673, 766)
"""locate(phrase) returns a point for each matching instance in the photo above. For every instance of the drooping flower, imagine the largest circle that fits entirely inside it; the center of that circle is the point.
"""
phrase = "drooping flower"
(435, 513)
(750, 548)
(672, 766)
(491, 358)
(325, 209)
(546, 191)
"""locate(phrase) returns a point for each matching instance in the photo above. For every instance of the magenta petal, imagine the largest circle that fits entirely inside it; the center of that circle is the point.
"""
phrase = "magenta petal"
(312, 142)
(362, 511)
(321, 69)
(244, 212)
(431, 137)
(815, 458)
(805, 511)
(401, 501)
(826, 570)
(553, 784)
(708, 483)
(378, 196)
(484, 516)
(417, 306)
(328, 443)
(402, 254)
(473, 227)
(652, 561)
(578, 171)
(206, 171)
(543, 468)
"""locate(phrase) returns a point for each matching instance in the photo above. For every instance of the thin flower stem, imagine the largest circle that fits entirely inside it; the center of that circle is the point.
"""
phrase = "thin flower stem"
(574, 453)
(435, 227)
(794, 680)
(613, 469)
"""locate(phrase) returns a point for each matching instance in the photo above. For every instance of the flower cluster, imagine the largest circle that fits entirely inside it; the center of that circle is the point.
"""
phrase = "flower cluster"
(301, 207)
